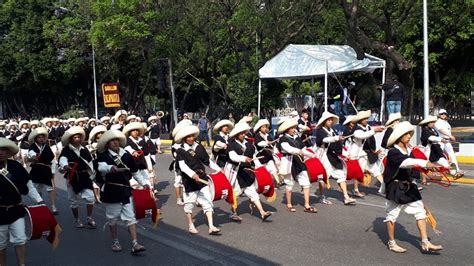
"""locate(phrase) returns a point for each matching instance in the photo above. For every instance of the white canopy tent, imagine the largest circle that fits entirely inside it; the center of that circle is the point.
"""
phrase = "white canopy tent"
(311, 61)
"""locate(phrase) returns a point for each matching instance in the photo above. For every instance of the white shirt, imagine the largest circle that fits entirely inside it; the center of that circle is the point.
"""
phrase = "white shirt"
(105, 168)
(186, 169)
(443, 128)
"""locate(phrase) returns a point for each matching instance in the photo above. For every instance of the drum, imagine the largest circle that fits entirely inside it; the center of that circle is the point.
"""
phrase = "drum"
(354, 171)
(264, 183)
(315, 170)
(221, 188)
(145, 205)
(418, 154)
(43, 224)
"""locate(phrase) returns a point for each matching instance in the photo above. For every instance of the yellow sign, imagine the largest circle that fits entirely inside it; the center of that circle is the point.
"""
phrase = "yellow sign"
(111, 94)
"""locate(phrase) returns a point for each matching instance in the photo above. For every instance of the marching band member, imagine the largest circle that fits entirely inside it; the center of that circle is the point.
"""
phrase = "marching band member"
(119, 120)
(89, 126)
(239, 169)
(331, 144)
(402, 193)
(105, 121)
(3, 130)
(444, 128)
(43, 164)
(364, 147)
(393, 120)
(264, 145)
(432, 142)
(221, 141)
(14, 182)
(304, 127)
(131, 119)
(292, 165)
(94, 136)
(136, 146)
(178, 184)
(117, 167)
(23, 139)
(153, 131)
(192, 158)
(75, 162)
(349, 126)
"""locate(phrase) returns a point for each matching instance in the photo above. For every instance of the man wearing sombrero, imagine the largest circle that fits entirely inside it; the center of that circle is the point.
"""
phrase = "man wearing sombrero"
(221, 141)
(444, 128)
(264, 144)
(192, 158)
(75, 162)
(432, 142)
(401, 192)
(117, 167)
(14, 182)
(178, 184)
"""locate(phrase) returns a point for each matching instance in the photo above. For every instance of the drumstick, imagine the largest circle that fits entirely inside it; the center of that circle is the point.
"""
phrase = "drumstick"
(258, 158)
(203, 181)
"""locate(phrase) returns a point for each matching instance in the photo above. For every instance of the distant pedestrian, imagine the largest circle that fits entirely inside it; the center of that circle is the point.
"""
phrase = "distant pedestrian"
(203, 125)
(394, 94)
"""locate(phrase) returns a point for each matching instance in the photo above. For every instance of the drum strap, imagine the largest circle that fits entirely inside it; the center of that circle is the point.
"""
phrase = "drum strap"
(117, 184)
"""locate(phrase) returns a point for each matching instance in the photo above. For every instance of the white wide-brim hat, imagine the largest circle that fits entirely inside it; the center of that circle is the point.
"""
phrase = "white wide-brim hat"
(22, 122)
(151, 118)
(13, 123)
(10, 146)
(288, 123)
(260, 123)
(45, 120)
(245, 119)
(239, 128)
(325, 116)
(104, 118)
(130, 117)
(361, 116)
(399, 130)
(110, 135)
(96, 130)
(428, 120)
(35, 122)
(75, 130)
(36, 132)
(70, 120)
(293, 114)
(181, 124)
(133, 126)
(392, 118)
(349, 119)
(186, 131)
(220, 124)
(119, 113)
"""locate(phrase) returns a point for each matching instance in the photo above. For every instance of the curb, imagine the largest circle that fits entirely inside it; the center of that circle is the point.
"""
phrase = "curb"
(465, 159)
(463, 180)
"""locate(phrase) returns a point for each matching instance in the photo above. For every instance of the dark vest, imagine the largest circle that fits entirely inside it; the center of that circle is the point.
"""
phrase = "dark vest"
(196, 160)
(141, 146)
(333, 149)
(297, 165)
(222, 155)
(81, 179)
(9, 195)
(266, 152)
(435, 151)
(369, 145)
(245, 175)
(41, 169)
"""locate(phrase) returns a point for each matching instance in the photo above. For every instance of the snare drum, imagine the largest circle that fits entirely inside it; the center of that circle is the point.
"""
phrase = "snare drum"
(43, 224)
(145, 205)
(221, 188)
(264, 183)
(315, 170)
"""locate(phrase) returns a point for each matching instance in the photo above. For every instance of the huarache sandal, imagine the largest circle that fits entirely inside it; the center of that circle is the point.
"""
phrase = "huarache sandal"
(214, 231)
(116, 247)
(310, 210)
(349, 201)
(91, 224)
(137, 248)
(193, 231)
(291, 209)
(358, 194)
(266, 215)
(79, 224)
(234, 217)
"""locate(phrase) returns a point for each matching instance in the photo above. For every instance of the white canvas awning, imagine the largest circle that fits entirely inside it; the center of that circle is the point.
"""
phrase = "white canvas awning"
(310, 61)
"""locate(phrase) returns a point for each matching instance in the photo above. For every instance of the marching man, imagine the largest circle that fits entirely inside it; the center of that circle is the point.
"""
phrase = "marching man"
(444, 128)
(117, 167)
(14, 182)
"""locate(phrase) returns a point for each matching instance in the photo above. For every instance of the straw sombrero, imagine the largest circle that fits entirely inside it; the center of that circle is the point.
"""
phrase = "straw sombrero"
(151, 118)
(349, 119)
(399, 130)
(181, 124)
(220, 124)
(36, 132)
(186, 131)
(392, 118)
(361, 116)
(75, 130)
(96, 130)
(325, 116)
(239, 128)
(104, 118)
(288, 123)
(22, 122)
(10, 146)
(130, 117)
(110, 135)
(428, 120)
(133, 126)
(261, 123)
(245, 119)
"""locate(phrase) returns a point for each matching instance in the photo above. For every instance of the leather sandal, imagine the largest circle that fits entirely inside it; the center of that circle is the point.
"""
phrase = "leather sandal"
(214, 231)
(290, 208)
(428, 247)
(396, 248)
(311, 210)
(266, 215)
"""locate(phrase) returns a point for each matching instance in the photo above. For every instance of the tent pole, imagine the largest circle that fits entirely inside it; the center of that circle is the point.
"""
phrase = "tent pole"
(326, 87)
(312, 99)
(259, 96)
(382, 106)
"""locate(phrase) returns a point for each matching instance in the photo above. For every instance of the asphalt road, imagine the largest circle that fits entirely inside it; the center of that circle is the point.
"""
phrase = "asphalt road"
(336, 235)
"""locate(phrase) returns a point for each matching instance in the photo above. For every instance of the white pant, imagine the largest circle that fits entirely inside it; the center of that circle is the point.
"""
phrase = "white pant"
(303, 180)
(250, 192)
(144, 175)
(39, 187)
(393, 209)
(373, 169)
(14, 232)
(178, 179)
(203, 197)
(86, 195)
(339, 175)
(448, 148)
(124, 212)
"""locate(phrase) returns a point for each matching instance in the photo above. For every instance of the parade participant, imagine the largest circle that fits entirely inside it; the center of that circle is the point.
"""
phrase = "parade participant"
(47, 122)
(4, 133)
(221, 141)
(81, 122)
(117, 167)
(192, 158)
(105, 121)
(75, 161)
(23, 140)
(119, 120)
(331, 144)
(136, 146)
(349, 126)
(94, 137)
(292, 165)
(264, 145)
(402, 193)
(34, 124)
(393, 120)
(89, 126)
(151, 157)
(59, 132)
(69, 123)
(239, 169)
(444, 128)
(15, 134)
(432, 141)
(154, 130)
(131, 119)
(364, 147)
(178, 183)
(304, 127)
(14, 182)
(43, 164)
